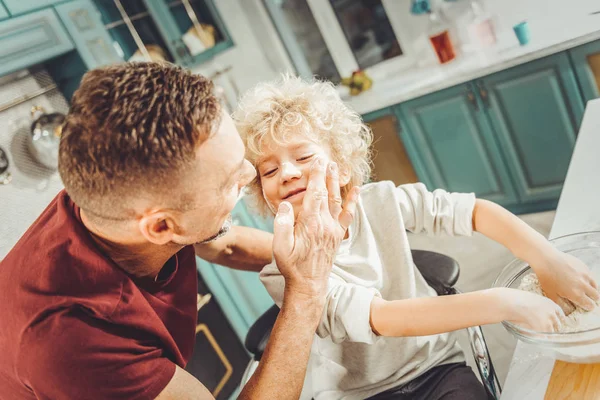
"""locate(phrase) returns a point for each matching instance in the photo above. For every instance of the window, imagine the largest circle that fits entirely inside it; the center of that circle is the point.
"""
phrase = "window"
(333, 38)
(367, 30)
(303, 39)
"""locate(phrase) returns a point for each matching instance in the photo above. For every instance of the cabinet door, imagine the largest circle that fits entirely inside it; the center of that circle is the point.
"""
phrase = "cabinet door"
(3, 13)
(93, 43)
(16, 7)
(219, 358)
(454, 140)
(136, 33)
(193, 27)
(586, 61)
(391, 161)
(240, 294)
(535, 110)
(31, 39)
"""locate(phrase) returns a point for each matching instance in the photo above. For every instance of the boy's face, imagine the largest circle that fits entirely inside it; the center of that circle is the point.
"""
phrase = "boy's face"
(284, 169)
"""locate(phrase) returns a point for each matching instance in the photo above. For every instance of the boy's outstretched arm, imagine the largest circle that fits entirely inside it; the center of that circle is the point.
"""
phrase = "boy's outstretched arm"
(433, 315)
(560, 274)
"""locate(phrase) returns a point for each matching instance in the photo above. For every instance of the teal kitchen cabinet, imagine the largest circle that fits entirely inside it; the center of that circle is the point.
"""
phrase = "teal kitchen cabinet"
(16, 7)
(240, 294)
(452, 144)
(391, 159)
(586, 63)
(180, 22)
(3, 13)
(166, 28)
(92, 41)
(535, 111)
(31, 39)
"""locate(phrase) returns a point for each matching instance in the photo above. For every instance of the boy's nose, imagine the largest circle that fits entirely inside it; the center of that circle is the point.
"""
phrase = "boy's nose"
(290, 171)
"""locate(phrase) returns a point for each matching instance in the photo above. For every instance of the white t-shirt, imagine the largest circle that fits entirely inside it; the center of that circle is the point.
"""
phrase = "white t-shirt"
(349, 361)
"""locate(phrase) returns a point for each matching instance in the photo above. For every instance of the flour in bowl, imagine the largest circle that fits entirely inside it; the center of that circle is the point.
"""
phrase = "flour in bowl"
(577, 319)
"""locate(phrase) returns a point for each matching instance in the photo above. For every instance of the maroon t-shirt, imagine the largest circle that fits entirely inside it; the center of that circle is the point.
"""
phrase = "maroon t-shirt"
(73, 325)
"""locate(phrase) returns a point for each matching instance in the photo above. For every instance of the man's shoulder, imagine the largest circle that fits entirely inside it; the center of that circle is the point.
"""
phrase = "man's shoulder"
(54, 267)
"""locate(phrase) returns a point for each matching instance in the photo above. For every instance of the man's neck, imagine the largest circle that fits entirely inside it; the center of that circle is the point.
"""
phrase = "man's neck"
(137, 258)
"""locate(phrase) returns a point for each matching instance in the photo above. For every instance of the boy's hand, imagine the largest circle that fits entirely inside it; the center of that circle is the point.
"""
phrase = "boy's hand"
(563, 275)
(532, 311)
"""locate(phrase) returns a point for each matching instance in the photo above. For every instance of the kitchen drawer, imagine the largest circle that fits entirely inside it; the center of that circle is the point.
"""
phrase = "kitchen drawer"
(3, 12)
(31, 39)
(16, 7)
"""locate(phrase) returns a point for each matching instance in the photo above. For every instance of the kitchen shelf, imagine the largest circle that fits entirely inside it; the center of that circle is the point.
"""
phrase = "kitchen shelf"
(133, 18)
(137, 16)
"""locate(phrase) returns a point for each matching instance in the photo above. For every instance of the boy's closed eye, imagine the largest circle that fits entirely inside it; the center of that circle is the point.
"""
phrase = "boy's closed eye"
(305, 158)
(271, 171)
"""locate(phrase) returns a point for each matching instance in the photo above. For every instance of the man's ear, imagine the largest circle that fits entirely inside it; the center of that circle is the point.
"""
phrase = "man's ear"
(158, 227)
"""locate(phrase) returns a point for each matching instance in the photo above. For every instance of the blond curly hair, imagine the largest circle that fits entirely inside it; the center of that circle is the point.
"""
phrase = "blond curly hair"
(291, 106)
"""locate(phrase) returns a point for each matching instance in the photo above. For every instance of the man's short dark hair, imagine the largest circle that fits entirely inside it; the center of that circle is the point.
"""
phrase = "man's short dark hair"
(131, 128)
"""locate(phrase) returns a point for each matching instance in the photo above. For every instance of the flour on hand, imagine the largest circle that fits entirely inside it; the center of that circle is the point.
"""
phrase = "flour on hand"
(576, 320)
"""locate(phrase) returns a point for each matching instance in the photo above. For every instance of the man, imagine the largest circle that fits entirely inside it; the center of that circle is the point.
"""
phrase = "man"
(99, 296)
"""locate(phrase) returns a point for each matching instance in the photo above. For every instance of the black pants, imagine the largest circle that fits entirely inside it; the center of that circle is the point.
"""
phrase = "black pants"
(445, 382)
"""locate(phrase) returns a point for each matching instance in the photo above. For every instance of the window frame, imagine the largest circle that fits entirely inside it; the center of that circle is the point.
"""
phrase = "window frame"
(336, 42)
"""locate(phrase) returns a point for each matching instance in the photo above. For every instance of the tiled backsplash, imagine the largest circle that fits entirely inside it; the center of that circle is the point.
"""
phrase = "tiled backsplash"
(32, 186)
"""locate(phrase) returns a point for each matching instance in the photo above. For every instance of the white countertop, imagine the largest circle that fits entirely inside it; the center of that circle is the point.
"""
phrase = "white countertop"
(578, 211)
(548, 36)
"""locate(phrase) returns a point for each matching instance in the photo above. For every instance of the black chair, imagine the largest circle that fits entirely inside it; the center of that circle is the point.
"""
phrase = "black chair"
(441, 273)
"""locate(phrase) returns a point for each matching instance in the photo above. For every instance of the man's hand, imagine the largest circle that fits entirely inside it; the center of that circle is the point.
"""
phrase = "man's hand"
(304, 251)
(565, 276)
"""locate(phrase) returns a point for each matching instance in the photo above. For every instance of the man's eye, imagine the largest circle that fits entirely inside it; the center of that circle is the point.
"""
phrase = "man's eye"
(269, 172)
(306, 157)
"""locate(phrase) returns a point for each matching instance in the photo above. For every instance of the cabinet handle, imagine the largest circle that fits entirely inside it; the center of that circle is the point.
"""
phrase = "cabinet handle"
(471, 98)
(181, 52)
(485, 96)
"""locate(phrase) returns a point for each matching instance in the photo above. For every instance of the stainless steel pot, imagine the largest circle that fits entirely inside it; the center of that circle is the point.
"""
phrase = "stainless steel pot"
(45, 136)
(4, 164)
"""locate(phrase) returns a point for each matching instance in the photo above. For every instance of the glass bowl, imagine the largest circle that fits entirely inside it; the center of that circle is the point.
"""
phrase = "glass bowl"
(577, 347)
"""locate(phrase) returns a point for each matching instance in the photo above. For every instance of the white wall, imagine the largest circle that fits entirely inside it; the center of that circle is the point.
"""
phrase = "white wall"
(511, 12)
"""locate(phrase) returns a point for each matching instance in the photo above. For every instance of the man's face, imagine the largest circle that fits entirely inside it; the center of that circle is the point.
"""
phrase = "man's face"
(220, 173)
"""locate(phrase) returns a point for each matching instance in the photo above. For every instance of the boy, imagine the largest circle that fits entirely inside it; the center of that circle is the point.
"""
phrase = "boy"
(384, 333)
